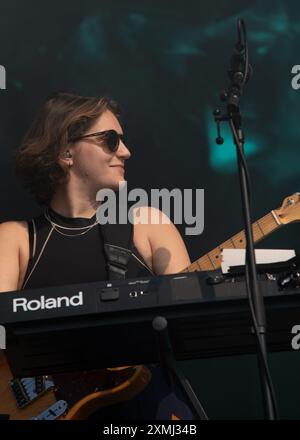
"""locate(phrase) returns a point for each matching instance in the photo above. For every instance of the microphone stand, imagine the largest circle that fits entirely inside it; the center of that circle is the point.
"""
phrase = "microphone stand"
(239, 74)
(170, 368)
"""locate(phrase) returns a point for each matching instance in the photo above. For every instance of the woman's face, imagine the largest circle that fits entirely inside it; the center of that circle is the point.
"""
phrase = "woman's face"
(92, 161)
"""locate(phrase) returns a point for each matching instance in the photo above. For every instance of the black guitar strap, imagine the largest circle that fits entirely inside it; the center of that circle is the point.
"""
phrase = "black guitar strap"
(117, 243)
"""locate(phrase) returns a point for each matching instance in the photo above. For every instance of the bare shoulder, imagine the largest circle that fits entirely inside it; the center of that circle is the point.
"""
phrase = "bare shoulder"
(13, 230)
(149, 216)
(14, 254)
(166, 247)
(14, 238)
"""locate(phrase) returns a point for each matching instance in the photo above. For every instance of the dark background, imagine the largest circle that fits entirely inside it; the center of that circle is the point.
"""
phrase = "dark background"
(165, 62)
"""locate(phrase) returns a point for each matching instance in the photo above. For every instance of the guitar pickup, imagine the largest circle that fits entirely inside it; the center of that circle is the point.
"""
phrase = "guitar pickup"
(27, 389)
(56, 410)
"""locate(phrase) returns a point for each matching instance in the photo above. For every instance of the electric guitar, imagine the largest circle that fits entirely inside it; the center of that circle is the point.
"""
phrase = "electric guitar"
(289, 212)
(78, 395)
(68, 396)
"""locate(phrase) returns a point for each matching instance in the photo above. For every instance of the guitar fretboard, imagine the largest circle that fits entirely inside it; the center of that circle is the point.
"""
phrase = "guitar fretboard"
(212, 260)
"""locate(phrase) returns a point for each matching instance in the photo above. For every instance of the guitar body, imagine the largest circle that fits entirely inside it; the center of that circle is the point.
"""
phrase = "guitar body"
(8, 405)
(137, 379)
(85, 393)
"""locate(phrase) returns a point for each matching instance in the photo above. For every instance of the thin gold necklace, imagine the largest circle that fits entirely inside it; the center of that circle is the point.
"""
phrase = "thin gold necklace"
(55, 226)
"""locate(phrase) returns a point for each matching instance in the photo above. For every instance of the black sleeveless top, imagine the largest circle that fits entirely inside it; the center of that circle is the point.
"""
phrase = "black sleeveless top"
(69, 256)
(57, 259)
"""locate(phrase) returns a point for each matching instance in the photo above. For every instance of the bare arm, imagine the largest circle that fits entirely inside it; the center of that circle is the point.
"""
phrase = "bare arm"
(9, 256)
(160, 244)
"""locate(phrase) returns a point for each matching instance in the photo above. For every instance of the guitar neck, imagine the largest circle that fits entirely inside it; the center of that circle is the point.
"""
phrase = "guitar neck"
(261, 229)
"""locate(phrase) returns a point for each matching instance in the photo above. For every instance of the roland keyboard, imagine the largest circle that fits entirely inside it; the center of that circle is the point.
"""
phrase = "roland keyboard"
(102, 324)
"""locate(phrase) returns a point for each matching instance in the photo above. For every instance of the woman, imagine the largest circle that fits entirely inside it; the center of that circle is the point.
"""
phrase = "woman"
(73, 149)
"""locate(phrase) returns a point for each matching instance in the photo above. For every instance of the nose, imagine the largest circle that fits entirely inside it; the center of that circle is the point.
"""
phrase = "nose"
(123, 152)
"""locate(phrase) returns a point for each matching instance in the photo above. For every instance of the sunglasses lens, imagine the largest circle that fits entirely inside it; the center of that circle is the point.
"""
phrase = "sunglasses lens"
(112, 139)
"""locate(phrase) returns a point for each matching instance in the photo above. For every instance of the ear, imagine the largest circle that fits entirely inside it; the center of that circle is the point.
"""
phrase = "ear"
(66, 158)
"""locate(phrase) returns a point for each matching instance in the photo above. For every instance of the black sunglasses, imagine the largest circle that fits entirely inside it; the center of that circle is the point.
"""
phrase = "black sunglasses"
(110, 137)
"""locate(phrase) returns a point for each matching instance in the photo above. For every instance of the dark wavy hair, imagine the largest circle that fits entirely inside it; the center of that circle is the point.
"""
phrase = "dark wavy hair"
(62, 117)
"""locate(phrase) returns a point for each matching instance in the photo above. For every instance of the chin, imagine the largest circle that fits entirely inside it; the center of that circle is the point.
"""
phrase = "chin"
(119, 184)
(114, 185)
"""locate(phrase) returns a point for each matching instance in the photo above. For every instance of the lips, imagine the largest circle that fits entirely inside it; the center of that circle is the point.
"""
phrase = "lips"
(118, 166)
